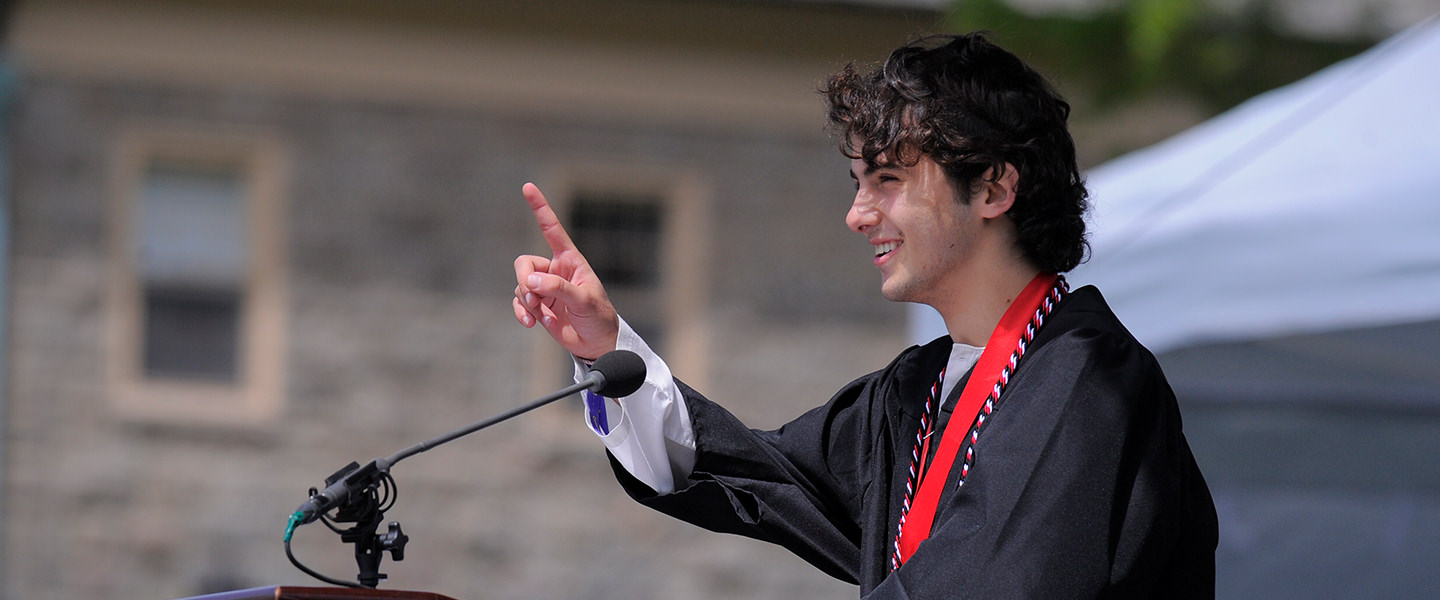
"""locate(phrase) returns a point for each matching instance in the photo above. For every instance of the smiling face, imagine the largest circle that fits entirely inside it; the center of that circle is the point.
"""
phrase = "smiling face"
(924, 236)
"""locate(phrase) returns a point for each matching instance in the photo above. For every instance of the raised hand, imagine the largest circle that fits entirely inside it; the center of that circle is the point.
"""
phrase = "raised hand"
(561, 293)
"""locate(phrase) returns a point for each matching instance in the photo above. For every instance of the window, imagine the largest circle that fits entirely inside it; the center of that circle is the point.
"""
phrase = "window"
(192, 260)
(645, 232)
(620, 236)
(196, 299)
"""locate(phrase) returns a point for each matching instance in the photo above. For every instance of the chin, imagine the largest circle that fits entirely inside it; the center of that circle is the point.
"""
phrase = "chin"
(894, 292)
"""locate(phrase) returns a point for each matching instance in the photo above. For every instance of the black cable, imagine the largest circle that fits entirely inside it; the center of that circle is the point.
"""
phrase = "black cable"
(391, 492)
(308, 571)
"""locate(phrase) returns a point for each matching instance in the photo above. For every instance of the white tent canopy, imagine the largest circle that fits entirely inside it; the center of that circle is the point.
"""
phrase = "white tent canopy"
(1311, 208)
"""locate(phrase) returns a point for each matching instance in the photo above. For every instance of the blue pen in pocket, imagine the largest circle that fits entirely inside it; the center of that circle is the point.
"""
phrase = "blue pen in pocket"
(595, 407)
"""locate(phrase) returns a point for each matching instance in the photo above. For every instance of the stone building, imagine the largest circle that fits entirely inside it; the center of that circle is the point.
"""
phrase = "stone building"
(253, 241)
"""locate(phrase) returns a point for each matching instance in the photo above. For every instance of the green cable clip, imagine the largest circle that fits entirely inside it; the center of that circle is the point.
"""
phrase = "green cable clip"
(295, 520)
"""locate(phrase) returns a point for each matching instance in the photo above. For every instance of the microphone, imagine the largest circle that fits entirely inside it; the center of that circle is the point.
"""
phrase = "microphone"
(616, 374)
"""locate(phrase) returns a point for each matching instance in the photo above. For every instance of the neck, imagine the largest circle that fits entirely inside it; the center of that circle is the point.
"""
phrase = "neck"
(971, 315)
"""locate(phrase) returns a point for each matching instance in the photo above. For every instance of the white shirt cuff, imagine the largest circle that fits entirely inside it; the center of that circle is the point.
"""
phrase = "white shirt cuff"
(651, 436)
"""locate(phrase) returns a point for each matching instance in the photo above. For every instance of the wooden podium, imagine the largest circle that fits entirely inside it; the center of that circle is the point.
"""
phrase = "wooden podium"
(290, 592)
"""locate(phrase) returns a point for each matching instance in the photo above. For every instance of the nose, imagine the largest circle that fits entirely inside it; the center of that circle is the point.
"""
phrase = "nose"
(862, 213)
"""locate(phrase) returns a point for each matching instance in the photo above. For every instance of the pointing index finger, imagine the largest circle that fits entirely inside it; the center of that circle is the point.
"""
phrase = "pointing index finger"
(550, 227)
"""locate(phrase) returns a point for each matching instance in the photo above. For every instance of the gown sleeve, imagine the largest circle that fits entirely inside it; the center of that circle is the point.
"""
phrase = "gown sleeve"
(799, 486)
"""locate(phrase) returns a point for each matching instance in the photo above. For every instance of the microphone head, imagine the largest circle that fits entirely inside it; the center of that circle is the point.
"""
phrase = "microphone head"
(623, 371)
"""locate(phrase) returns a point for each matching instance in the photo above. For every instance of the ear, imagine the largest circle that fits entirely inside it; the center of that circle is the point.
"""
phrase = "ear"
(996, 197)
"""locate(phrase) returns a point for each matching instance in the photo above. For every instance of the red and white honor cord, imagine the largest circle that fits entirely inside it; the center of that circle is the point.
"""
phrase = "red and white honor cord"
(916, 456)
(1057, 292)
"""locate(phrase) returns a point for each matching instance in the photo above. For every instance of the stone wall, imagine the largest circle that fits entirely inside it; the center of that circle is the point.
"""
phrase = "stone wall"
(401, 226)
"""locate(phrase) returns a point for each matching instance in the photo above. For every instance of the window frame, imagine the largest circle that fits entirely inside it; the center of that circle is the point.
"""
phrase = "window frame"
(256, 396)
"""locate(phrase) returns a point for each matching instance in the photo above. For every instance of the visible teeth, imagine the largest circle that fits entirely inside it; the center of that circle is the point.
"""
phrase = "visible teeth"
(886, 248)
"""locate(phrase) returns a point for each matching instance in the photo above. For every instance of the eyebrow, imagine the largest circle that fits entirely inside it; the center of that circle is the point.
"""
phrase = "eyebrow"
(870, 169)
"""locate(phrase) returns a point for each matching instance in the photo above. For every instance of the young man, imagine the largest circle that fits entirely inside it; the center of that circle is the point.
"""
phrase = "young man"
(1035, 452)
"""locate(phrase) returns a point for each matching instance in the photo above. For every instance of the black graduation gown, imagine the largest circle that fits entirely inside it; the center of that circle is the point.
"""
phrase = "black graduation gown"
(1083, 485)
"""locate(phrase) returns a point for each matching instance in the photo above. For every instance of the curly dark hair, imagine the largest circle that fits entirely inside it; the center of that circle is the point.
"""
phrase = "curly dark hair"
(973, 108)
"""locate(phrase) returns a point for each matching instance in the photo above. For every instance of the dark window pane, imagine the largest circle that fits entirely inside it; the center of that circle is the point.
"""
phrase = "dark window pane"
(620, 238)
(192, 334)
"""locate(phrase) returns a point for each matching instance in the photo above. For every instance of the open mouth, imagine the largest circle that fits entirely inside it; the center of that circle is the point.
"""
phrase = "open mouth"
(885, 248)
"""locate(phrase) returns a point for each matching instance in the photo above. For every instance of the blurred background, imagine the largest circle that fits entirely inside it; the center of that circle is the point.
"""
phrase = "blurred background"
(250, 242)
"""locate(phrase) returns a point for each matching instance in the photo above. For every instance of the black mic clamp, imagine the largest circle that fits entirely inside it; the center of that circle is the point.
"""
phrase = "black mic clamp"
(340, 487)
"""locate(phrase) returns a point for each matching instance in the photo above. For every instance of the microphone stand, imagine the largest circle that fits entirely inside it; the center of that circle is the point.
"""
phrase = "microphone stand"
(363, 494)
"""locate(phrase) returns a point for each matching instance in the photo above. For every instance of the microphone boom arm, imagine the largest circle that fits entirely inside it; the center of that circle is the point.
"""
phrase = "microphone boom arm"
(588, 384)
(354, 488)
